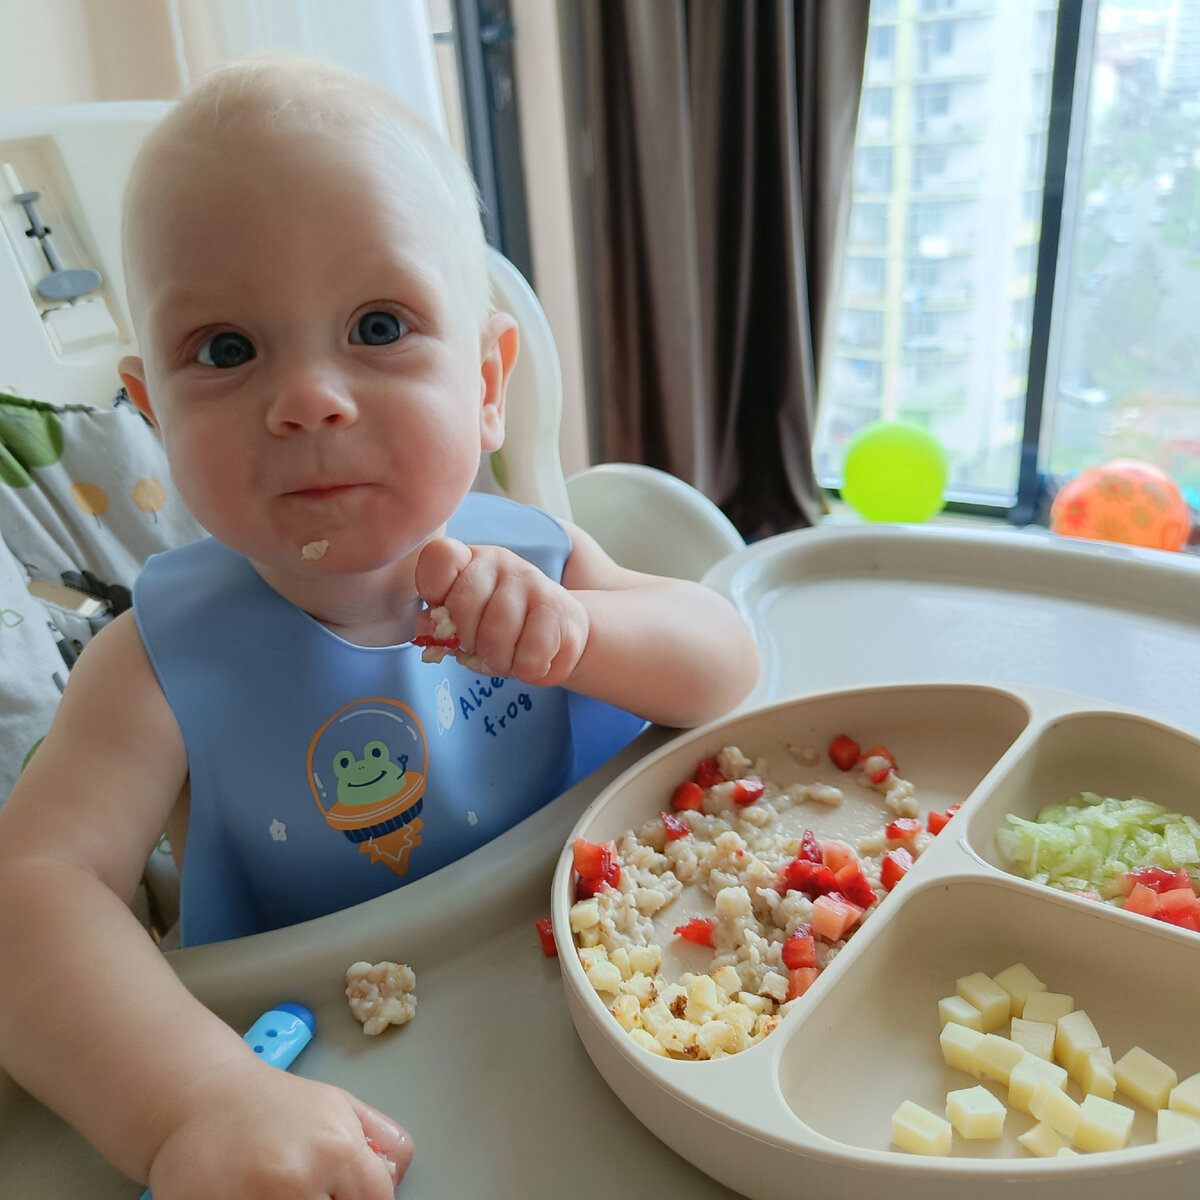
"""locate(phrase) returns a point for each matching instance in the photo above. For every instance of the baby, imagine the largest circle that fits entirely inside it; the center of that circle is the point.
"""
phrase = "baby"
(306, 274)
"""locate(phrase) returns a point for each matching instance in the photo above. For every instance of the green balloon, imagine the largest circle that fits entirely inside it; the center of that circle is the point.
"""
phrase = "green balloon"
(894, 471)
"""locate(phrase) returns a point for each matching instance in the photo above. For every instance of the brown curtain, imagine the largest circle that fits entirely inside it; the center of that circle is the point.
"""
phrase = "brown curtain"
(722, 137)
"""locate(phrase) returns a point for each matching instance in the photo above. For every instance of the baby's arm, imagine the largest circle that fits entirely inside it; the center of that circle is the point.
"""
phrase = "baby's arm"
(672, 651)
(94, 1021)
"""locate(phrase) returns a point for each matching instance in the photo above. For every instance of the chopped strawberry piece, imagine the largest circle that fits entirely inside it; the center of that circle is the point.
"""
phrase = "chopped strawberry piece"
(833, 916)
(844, 751)
(837, 855)
(880, 775)
(800, 979)
(594, 861)
(699, 930)
(853, 884)
(708, 773)
(688, 795)
(800, 950)
(746, 791)
(810, 848)
(426, 639)
(903, 829)
(880, 752)
(545, 931)
(675, 827)
(800, 875)
(938, 820)
(896, 864)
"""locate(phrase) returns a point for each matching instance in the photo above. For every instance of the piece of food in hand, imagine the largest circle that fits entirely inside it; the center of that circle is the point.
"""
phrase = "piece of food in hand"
(376, 1148)
(311, 551)
(444, 640)
(381, 994)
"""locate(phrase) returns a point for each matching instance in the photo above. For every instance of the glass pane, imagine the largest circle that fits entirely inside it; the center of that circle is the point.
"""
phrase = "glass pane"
(937, 289)
(1125, 363)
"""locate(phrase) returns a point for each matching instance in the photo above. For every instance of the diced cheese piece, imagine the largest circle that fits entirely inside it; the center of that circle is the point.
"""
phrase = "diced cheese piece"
(1074, 1036)
(1018, 981)
(584, 914)
(1144, 1079)
(976, 1113)
(727, 979)
(1103, 1124)
(1185, 1096)
(1026, 1076)
(960, 1011)
(628, 1012)
(1042, 1140)
(958, 1047)
(1037, 1037)
(919, 1131)
(1172, 1125)
(996, 1056)
(1052, 1105)
(986, 995)
(1066, 1152)
(1047, 1006)
(647, 1042)
(1095, 1074)
(604, 976)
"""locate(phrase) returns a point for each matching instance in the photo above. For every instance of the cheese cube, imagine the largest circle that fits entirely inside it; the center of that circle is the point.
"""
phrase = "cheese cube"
(996, 1056)
(919, 1131)
(1172, 1125)
(958, 1047)
(1047, 1006)
(1042, 1140)
(1052, 1105)
(976, 1113)
(647, 1042)
(1037, 1037)
(1074, 1035)
(1026, 1076)
(1185, 1096)
(988, 996)
(1018, 981)
(1095, 1074)
(1103, 1124)
(1144, 1079)
(960, 1011)
(1066, 1152)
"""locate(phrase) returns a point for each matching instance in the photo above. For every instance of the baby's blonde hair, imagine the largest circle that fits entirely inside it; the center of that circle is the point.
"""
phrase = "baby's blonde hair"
(279, 94)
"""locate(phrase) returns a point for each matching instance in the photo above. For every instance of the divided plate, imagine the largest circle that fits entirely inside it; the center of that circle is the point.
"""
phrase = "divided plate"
(807, 1111)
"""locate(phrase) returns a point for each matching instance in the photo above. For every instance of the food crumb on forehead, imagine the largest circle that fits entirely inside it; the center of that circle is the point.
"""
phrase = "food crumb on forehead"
(311, 551)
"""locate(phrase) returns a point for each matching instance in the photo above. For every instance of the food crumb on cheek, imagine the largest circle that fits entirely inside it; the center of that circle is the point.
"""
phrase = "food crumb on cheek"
(311, 551)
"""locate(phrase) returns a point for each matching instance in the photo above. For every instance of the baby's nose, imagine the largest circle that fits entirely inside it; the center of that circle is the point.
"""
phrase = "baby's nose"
(308, 397)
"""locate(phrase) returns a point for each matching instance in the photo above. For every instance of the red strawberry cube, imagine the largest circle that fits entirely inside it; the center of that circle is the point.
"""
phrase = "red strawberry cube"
(896, 864)
(545, 931)
(700, 930)
(708, 773)
(833, 916)
(800, 875)
(880, 752)
(594, 861)
(688, 795)
(746, 791)
(675, 826)
(854, 885)
(837, 854)
(800, 950)
(844, 751)
(810, 848)
(902, 829)
(800, 979)
(1142, 899)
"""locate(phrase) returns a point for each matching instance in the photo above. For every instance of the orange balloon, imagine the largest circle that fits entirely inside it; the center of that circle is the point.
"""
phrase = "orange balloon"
(1125, 501)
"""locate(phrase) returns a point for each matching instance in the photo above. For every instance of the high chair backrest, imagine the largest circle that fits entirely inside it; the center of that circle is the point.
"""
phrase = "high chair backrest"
(64, 322)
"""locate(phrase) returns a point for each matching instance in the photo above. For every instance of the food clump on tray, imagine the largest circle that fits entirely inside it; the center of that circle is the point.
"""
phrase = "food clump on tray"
(784, 901)
(381, 994)
(1133, 854)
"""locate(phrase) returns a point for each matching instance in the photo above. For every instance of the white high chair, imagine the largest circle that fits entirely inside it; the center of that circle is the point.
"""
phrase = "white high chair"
(64, 325)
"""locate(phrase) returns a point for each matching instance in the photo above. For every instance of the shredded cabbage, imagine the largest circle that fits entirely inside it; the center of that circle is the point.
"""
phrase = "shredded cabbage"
(1090, 842)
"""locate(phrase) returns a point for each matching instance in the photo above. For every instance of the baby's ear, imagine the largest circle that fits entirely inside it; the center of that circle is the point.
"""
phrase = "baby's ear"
(133, 376)
(499, 342)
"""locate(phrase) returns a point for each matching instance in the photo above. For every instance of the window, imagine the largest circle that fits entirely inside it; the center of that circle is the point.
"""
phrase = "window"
(873, 169)
(1035, 337)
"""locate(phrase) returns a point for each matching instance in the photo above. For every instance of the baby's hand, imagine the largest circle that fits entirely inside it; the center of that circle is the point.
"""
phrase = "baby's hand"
(274, 1136)
(506, 612)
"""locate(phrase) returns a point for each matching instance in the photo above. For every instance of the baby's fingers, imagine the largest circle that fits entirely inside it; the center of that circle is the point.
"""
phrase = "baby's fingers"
(438, 567)
(385, 1138)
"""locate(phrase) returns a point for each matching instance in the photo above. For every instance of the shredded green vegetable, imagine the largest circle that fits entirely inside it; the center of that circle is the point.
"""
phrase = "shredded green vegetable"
(1089, 843)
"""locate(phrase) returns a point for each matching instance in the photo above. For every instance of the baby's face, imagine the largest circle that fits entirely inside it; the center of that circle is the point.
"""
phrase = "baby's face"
(309, 357)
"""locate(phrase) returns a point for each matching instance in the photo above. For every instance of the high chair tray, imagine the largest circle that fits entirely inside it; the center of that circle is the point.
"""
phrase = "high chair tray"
(493, 1075)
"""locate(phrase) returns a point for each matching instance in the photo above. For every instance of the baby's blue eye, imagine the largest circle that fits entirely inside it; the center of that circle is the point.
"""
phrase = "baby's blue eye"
(378, 329)
(226, 350)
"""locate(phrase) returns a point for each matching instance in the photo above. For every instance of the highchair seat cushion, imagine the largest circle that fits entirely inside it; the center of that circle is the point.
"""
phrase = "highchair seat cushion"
(85, 498)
